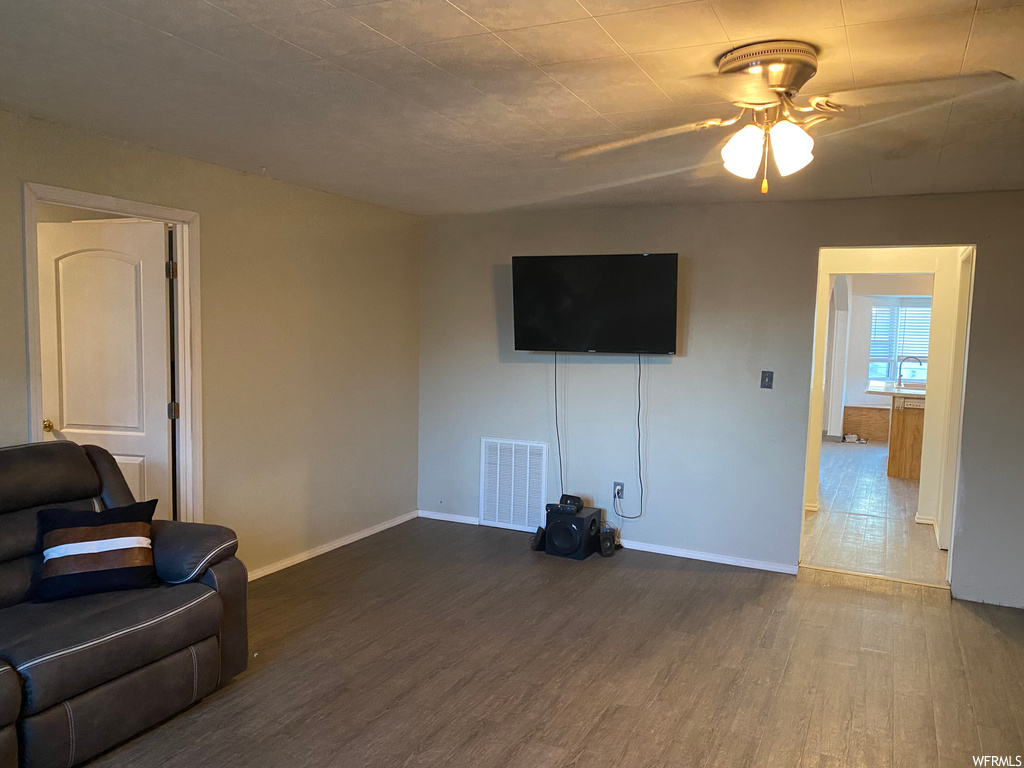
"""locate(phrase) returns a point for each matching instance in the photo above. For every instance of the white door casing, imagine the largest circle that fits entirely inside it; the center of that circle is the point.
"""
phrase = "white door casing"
(957, 374)
(104, 341)
(185, 295)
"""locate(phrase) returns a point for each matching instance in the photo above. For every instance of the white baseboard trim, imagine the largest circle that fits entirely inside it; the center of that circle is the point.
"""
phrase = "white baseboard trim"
(467, 520)
(924, 520)
(643, 547)
(710, 557)
(309, 554)
(447, 517)
(811, 507)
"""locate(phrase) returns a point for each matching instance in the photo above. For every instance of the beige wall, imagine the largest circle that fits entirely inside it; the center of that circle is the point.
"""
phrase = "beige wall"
(725, 459)
(837, 346)
(310, 349)
(858, 356)
(310, 355)
(892, 285)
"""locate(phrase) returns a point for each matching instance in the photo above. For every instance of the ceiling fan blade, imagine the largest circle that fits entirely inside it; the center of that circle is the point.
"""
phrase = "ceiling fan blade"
(620, 181)
(933, 88)
(710, 165)
(642, 138)
(983, 83)
(733, 87)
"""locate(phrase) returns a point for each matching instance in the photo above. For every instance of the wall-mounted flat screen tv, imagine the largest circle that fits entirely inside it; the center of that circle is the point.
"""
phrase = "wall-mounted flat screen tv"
(610, 303)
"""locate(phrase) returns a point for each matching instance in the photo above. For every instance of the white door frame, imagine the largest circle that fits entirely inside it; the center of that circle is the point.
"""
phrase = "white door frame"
(911, 259)
(188, 362)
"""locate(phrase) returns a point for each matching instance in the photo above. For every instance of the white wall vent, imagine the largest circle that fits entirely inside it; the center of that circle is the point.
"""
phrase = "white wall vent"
(513, 483)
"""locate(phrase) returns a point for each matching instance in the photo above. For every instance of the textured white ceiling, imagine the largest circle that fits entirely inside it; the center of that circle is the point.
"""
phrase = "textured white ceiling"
(438, 106)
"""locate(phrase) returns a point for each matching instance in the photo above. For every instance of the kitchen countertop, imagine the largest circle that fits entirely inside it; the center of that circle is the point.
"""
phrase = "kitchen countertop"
(891, 390)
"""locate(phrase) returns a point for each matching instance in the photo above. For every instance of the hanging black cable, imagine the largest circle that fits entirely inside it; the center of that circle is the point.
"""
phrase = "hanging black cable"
(639, 442)
(558, 436)
(639, 434)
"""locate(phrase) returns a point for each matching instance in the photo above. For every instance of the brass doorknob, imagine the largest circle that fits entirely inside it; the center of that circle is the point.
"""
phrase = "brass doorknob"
(47, 425)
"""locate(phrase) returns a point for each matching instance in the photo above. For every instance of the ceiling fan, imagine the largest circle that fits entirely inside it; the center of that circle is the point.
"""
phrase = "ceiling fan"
(765, 79)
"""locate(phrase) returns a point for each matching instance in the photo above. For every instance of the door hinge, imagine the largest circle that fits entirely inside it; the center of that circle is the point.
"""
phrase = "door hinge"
(172, 410)
(171, 270)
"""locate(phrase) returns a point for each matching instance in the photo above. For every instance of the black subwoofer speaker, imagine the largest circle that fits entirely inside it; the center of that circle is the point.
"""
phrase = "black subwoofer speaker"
(576, 536)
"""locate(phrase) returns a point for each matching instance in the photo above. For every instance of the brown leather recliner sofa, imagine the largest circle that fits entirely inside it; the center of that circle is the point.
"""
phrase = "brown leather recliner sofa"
(80, 675)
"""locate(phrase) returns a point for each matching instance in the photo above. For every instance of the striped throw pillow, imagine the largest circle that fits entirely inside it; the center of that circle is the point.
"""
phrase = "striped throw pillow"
(88, 552)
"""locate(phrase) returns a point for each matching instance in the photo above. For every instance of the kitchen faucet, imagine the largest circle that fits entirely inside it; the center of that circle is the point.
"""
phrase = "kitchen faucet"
(899, 377)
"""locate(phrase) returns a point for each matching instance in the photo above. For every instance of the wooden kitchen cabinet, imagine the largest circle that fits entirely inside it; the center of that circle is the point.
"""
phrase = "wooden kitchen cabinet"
(906, 428)
(906, 433)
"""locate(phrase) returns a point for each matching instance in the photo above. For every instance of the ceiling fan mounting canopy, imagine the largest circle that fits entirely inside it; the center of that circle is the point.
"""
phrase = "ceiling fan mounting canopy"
(776, 67)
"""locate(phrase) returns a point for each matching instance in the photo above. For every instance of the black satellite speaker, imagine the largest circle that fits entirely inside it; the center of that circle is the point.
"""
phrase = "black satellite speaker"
(607, 542)
(576, 536)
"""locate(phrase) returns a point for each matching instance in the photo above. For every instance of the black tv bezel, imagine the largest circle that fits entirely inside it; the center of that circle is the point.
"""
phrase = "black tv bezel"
(675, 335)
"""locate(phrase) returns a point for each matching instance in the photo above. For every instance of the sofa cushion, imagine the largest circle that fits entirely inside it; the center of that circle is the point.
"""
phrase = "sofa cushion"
(10, 695)
(63, 648)
(89, 552)
(45, 473)
(9, 747)
(83, 726)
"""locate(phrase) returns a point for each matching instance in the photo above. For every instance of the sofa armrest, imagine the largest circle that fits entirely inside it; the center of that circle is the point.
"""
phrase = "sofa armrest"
(184, 551)
(231, 581)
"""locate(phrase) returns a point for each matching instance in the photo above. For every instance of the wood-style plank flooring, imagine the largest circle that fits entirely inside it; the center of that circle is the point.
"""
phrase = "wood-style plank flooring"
(436, 644)
(865, 520)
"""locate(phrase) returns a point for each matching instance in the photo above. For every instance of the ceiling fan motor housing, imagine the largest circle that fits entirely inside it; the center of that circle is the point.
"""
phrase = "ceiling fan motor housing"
(784, 66)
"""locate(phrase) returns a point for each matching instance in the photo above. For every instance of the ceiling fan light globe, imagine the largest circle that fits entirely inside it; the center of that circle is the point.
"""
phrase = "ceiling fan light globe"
(793, 163)
(791, 147)
(742, 153)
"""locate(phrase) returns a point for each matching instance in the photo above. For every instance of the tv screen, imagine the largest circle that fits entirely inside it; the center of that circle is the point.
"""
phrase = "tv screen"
(621, 303)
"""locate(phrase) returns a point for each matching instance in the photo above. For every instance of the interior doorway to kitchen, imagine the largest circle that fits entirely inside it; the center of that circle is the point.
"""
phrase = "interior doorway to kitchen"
(884, 428)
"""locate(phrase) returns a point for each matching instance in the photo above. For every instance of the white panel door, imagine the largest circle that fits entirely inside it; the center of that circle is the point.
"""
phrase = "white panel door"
(103, 321)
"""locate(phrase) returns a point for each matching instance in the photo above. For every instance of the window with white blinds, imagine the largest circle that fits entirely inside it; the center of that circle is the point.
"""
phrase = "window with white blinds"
(899, 329)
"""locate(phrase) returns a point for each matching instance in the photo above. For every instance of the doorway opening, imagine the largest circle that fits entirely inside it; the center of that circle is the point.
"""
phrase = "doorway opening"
(113, 341)
(883, 441)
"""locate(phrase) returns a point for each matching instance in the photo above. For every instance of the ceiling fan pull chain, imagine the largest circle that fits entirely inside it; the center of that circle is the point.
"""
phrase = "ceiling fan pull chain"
(764, 179)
